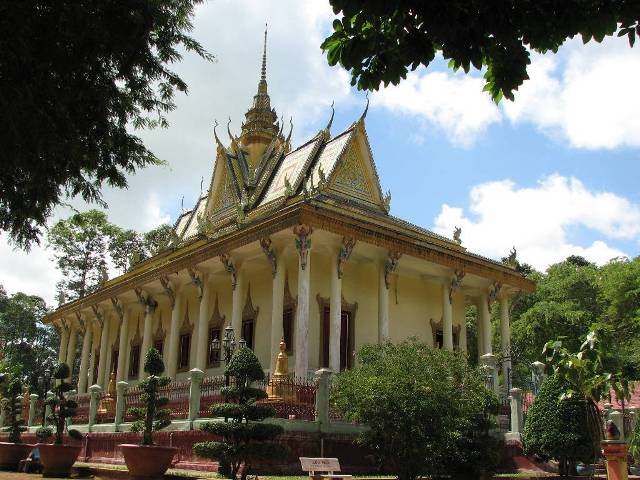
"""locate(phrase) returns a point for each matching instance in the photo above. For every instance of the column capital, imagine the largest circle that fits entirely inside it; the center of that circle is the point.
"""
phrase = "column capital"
(197, 279)
(390, 266)
(494, 292)
(169, 289)
(455, 283)
(344, 252)
(146, 300)
(229, 266)
(98, 314)
(267, 248)
(118, 307)
(303, 242)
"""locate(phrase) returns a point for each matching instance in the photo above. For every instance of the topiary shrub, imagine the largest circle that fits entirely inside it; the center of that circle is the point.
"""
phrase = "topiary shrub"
(61, 406)
(244, 439)
(11, 388)
(152, 417)
(428, 411)
(556, 427)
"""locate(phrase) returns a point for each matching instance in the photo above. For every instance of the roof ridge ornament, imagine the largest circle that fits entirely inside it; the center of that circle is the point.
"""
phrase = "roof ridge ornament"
(366, 109)
(215, 134)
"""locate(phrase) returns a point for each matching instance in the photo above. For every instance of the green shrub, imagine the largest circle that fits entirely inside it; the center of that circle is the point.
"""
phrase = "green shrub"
(244, 440)
(427, 410)
(61, 407)
(556, 427)
(11, 389)
(634, 443)
(152, 416)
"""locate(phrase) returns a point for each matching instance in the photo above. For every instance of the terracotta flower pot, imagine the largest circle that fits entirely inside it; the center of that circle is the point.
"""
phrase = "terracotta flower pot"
(144, 461)
(12, 453)
(57, 460)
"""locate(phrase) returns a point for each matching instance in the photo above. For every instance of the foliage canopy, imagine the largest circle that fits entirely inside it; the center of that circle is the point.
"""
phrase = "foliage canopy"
(76, 75)
(556, 427)
(380, 40)
(427, 410)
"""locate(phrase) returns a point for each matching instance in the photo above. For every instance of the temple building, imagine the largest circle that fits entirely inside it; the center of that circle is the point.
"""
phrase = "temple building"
(293, 243)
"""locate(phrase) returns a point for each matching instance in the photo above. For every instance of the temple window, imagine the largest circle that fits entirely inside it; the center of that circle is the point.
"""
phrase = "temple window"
(249, 317)
(159, 336)
(216, 322)
(134, 362)
(213, 356)
(438, 334)
(347, 333)
(184, 349)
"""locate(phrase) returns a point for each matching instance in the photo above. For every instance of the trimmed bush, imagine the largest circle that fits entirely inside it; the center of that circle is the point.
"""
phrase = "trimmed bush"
(61, 406)
(11, 388)
(245, 440)
(556, 427)
(152, 416)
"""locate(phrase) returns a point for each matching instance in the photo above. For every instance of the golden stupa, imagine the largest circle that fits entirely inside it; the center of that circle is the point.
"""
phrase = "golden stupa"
(107, 405)
(277, 388)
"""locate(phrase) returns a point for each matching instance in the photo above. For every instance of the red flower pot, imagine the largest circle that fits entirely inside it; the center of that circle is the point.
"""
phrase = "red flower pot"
(144, 461)
(12, 453)
(57, 460)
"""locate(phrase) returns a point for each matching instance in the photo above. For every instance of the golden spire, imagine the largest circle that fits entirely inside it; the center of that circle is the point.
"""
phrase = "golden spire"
(260, 124)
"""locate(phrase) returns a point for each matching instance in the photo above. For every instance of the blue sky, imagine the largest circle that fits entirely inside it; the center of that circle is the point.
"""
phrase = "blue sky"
(553, 173)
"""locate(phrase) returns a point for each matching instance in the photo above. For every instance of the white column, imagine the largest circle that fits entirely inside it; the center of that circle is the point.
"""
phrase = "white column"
(146, 338)
(95, 338)
(277, 309)
(64, 340)
(505, 338)
(84, 359)
(174, 335)
(383, 306)
(484, 318)
(123, 351)
(447, 319)
(71, 348)
(459, 306)
(335, 314)
(104, 341)
(302, 317)
(236, 308)
(202, 332)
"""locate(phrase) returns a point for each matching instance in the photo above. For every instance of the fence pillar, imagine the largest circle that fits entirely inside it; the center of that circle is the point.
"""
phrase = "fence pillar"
(323, 380)
(516, 410)
(94, 398)
(194, 393)
(33, 404)
(488, 361)
(537, 375)
(633, 418)
(47, 408)
(121, 390)
(19, 400)
(607, 408)
(617, 418)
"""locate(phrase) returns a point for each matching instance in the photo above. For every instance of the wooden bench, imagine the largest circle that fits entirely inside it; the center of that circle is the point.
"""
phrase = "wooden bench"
(326, 465)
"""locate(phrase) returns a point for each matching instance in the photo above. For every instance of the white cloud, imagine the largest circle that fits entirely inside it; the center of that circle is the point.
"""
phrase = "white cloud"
(453, 102)
(591, 98)
(537, 220)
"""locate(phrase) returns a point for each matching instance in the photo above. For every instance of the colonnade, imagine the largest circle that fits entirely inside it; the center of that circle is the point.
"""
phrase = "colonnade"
(95, 327)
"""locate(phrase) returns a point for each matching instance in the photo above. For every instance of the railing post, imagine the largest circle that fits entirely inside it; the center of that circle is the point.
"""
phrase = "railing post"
(194, 393)
(33, 404)
(19, 400)
(322, 378)
(488, 361)
(47, 408)
(617, 418)
(121, 390)
(608, 408)
(516, 410)
(537, 375)
(94, 398)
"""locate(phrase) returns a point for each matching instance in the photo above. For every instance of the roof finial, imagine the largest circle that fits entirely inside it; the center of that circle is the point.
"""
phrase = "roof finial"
(333, 112)
(216, 135)
(263, 76)
(366, 109)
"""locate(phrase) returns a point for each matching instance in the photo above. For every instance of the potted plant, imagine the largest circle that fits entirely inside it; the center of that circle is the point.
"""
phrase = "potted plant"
(14, 450)
(147, 459)
(246, 438)
(58, 458)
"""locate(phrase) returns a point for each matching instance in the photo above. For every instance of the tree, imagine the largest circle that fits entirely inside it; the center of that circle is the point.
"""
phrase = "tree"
(584, 374)
(124, 245)
(556, 427)
(28, 346)
(245, 439)
(152, 416)
(62, 407)
(427, 410)
(10, 389)
(379, 41)
(157, 239)
(81, 245)
(77, 75)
